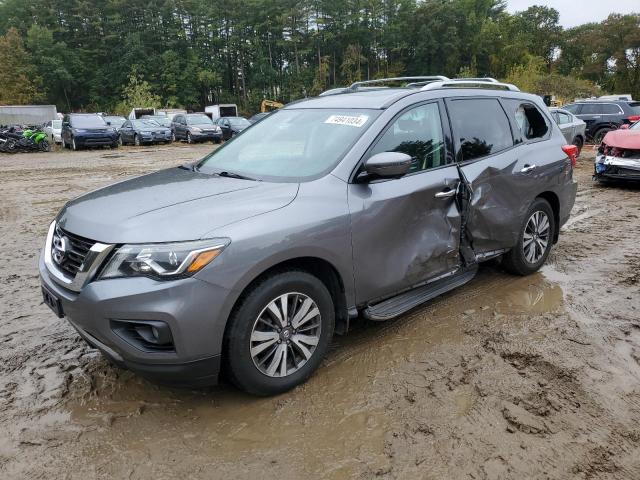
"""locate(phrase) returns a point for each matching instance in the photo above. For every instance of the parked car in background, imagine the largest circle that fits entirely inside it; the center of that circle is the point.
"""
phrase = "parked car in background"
(618, 156)
(115, 121)
(81, 130)
(603, 116)
(361, 204)
(195, 127)
(137, 132)
(232, 126)
(214, 112)
(573, 129)
(258, 116)
(53, 129)
(162, 120)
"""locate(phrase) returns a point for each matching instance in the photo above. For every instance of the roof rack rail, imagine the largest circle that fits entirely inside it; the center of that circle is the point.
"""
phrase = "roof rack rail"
(490, 83)
(475, 79)
(414, 81)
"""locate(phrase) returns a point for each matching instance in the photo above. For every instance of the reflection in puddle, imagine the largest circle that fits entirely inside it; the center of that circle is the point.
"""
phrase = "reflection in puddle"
(328, 427)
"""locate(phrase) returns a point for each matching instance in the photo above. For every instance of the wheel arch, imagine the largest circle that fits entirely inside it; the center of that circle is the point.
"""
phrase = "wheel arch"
(554, 201)
(320, 268)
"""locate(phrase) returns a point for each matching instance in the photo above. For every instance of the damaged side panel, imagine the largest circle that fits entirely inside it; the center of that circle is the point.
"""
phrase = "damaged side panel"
(501, 189)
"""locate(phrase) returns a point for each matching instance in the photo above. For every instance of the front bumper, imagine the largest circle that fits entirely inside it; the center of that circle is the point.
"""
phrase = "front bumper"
(96, 140)
(156, 137)
(204, 136)
(188, 306)
(608, 167)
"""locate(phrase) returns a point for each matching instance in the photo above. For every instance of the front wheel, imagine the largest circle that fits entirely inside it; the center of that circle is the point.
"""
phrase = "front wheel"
(189, 139)
(136, 140)
(279, 334)
(534, 242)
(74, 146)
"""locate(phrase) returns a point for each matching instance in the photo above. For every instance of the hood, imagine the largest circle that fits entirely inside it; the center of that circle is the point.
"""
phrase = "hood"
(170, 205)
(629, 139)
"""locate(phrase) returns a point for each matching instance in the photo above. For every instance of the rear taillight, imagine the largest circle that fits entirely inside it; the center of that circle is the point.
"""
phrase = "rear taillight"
(572, 153)
(633, 118)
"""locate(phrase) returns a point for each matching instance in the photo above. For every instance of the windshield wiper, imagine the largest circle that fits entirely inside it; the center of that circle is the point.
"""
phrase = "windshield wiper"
(234, 175)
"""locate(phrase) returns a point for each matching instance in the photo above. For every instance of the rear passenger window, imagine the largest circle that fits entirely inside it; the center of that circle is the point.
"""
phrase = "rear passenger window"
(418, 133)
(591, 109)
(480, 127)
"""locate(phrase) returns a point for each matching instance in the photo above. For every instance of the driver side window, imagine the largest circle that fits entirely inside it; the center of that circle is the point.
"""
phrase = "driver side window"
(418, 133)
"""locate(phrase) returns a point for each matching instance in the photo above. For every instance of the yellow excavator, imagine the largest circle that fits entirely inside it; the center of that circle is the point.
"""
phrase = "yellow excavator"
(268, 105)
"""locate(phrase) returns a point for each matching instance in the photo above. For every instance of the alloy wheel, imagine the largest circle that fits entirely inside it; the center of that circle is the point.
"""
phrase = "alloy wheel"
(285, 334)
(536, 236)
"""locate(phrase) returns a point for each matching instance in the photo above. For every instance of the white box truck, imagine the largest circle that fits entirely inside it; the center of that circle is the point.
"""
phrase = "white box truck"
(221, 110)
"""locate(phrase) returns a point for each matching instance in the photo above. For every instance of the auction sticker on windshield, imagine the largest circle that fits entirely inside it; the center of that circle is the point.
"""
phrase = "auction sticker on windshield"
(349, 120)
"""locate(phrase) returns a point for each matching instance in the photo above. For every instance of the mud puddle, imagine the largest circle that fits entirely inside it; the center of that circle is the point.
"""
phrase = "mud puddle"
(337, 422)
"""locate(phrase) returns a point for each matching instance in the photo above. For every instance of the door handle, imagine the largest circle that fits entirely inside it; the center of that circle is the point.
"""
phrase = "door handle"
(445, 193)
(528, 168)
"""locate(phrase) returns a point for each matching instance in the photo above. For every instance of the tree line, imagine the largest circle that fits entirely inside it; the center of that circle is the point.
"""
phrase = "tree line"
(107, 55)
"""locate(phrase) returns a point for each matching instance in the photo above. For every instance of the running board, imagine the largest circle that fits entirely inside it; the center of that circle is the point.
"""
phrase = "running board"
(394, 306)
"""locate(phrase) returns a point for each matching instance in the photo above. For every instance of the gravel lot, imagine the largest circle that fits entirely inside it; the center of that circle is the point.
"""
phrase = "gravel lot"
(505, 378)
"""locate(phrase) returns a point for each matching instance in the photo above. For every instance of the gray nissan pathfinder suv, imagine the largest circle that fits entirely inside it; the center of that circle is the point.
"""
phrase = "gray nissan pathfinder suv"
(366, 202)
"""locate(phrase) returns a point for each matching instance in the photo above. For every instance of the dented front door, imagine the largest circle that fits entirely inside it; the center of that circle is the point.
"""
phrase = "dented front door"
(404, 231)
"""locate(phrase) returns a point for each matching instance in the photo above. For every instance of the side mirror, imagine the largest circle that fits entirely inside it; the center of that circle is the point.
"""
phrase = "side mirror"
(624, 126)
(388, 164)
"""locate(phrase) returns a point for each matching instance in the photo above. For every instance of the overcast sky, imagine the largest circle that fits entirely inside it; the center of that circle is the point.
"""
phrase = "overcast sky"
(577, 12)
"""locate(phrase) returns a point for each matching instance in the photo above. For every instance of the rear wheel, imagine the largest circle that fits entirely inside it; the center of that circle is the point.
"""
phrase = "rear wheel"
(279, 334)
(599, 135)
(534, 242)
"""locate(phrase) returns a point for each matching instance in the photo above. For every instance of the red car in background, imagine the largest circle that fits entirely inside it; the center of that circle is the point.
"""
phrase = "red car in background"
(618, 156)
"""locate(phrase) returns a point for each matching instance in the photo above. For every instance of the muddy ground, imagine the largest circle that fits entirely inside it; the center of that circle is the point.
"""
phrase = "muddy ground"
(506, 377)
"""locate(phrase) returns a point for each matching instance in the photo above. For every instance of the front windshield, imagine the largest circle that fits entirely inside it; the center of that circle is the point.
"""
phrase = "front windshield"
(145, 123)
(115, 121)
(88, 121)
(198, 120)
(239, 122)
(164, 121)
(291, 144)
(56, 124)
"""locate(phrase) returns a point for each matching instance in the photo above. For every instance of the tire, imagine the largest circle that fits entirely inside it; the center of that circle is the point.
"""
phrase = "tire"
(120, 142)
(74, 147)
(189, 139)
(173, 136)
(136, 140)
(599, 135)
(45, 146)
(517, 261)
(578, 142)
(64, 144)
(253, 316)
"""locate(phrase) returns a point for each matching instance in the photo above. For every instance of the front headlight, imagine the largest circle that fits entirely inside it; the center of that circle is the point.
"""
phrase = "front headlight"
(163, 261)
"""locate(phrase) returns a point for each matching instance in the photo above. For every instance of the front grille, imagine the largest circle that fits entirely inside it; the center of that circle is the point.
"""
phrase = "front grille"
(75, 252)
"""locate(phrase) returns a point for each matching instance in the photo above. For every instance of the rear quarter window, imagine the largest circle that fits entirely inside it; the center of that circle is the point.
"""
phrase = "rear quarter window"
(611, 109)
(635, 108)
(480, 127)
(530, 123)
